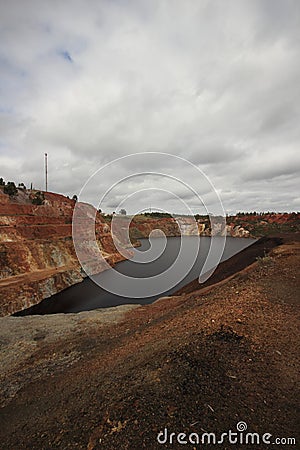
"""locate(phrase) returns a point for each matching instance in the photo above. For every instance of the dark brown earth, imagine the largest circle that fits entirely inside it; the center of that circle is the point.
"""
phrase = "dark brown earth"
(196, 362)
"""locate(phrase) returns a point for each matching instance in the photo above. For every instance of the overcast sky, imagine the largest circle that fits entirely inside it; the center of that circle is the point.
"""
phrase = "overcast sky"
(215, 82)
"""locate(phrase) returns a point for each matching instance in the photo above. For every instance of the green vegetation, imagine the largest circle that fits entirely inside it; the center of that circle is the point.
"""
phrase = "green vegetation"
(39, 198)
(258, 230)
(10, 189)
(264, 260)
(202, 218)
(157, 215)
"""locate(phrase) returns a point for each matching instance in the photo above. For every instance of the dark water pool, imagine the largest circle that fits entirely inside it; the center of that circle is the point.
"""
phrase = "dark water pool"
(88, 295)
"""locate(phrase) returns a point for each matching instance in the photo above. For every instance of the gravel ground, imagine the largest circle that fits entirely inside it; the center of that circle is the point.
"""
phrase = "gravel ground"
(197, 362)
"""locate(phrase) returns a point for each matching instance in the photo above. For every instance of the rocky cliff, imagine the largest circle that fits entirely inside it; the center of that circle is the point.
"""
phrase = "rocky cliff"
(142, 226)
(37, 256)
(241, 225)
(265, 224)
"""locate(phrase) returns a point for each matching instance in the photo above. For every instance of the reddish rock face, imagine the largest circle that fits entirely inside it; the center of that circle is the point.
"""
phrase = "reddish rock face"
(185, 226)
(37, 255)
(263, 224)
(141, 227)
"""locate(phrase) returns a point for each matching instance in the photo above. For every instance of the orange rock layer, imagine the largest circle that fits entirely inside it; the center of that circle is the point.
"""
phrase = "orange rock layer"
(37, 255)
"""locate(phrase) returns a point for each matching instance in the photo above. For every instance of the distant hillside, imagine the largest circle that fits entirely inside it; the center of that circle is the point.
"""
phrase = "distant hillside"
(265, 224)
(241, 225)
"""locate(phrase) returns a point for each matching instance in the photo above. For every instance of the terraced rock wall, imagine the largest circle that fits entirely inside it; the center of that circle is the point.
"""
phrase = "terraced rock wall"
(37, 256)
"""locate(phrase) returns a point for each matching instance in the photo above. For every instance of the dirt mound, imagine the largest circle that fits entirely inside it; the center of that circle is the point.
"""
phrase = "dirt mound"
(197, 363)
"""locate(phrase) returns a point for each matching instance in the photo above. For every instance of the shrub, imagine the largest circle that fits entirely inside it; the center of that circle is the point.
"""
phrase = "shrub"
(39, 198)
(10, 189)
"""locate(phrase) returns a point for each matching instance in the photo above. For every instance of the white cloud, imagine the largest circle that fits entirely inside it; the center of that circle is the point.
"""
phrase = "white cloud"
(91, 81)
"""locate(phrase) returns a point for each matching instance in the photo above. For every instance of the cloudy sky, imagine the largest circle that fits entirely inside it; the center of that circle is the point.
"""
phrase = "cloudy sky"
(214, 82)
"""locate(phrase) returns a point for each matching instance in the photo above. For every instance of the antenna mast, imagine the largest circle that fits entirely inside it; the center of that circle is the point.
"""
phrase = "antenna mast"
(46, 172)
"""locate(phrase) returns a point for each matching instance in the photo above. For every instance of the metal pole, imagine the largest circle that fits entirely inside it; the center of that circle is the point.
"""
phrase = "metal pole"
(46, 172)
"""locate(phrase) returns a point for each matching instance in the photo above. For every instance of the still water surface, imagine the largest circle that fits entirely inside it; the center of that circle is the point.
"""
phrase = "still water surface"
(88, 295)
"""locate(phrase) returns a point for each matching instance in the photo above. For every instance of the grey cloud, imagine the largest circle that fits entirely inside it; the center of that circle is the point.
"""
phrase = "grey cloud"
(273, 166)
(219, 86)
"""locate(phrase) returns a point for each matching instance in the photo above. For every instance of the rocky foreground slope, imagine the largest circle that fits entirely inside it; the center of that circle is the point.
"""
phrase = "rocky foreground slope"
(198, 362)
